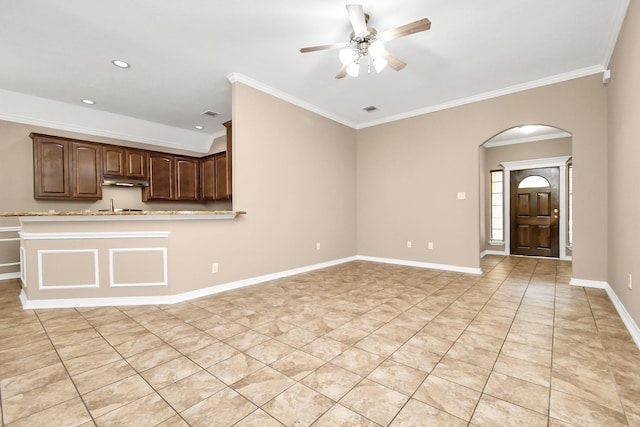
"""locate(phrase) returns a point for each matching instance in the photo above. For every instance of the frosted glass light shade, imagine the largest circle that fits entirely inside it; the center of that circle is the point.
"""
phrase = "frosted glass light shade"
(376, 49)
(353, 69)
(347, 56)
(379, 64)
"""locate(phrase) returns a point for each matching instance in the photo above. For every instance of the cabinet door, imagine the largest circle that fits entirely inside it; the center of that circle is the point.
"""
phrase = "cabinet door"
(161, 177)
(222, 189)
(187, 179)
(86, 172)
(136, 164)
(51, 168)
(208, 178)
(113, 160)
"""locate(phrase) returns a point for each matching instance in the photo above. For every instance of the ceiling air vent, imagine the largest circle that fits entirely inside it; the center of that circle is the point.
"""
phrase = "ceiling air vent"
(210, 113)
(370, 108)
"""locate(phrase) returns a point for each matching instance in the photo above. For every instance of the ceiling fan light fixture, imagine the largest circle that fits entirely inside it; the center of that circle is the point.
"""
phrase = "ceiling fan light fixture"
(353, 69)
(379, 64)
(347, 55)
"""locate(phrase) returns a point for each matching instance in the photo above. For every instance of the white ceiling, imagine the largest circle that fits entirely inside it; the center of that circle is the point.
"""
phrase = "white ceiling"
(184, 54)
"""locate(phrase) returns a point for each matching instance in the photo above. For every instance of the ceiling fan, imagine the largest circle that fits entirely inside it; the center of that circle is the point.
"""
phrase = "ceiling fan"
(366, 42)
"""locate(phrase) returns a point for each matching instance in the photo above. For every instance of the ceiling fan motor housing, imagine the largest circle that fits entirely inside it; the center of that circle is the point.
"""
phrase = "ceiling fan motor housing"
(361, 43)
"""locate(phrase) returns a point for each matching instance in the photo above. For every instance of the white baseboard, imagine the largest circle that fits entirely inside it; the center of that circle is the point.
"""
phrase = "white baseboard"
(492, 252)
(185, 296)
(445, 267)
(628, 321)
(589, 283)
(7, 276)
(170, 299)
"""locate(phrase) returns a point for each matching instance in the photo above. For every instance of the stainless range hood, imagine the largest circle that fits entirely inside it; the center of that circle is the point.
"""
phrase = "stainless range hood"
(124, 182)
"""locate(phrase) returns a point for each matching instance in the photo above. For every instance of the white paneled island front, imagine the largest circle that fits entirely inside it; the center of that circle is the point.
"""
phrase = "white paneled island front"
(75, 259)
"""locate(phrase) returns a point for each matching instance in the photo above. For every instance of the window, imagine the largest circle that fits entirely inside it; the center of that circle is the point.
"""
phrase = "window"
(570, 207)
(497, 207)
(534, 181)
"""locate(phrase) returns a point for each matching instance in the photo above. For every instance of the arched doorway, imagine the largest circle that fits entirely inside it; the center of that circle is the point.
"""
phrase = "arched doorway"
(522, 215)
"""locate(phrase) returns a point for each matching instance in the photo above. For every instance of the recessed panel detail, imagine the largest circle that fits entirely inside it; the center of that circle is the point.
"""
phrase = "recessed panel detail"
(68, 269)
(135, 267)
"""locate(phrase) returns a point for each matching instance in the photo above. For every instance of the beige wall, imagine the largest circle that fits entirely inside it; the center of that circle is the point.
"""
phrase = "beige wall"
(624, 152)
(493, 158)
(294, 175)
(410, 171)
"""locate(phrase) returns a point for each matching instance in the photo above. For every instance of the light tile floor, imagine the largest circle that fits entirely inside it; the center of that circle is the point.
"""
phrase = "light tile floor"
(359, 344)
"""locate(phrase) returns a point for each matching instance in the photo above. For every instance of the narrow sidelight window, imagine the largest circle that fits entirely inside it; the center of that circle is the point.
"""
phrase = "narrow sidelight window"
(497, 206)
(570, 207)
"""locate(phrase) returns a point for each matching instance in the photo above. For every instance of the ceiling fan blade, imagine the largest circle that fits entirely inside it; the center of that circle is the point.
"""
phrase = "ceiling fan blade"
(394, 62)
(405, 30)
(342, 72)
(322, 47)
(356, 16)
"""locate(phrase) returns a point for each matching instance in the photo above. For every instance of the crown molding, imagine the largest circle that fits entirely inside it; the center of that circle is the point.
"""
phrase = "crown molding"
(584, 72)
(240, 78)
(618, 20)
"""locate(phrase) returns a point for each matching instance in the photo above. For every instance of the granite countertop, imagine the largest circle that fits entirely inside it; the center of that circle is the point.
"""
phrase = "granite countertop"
(116, 213)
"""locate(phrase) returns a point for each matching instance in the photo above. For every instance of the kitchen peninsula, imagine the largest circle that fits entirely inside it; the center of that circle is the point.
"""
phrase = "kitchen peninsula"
(74, 259)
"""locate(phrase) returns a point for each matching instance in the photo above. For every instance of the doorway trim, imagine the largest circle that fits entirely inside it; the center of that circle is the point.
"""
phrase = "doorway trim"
(548, 162)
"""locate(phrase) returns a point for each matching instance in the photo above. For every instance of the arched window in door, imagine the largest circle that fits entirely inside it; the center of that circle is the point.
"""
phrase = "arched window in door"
(534, 181)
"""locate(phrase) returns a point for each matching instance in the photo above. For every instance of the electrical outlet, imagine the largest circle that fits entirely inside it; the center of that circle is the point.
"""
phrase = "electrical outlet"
(430, 245)
(214, 267)
(409, 245)
(318, 246)
(630, 281)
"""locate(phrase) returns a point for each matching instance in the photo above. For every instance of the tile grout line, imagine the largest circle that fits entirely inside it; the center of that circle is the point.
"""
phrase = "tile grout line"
(132, 367)
(64, 366)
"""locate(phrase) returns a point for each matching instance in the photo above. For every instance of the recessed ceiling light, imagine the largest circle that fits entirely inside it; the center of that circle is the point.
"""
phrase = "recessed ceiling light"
(370, 108)
(199, 127)
(120, 63)
(88, 101)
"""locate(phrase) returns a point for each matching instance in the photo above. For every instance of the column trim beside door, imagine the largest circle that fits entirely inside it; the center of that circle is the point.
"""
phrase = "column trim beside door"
(548, 162)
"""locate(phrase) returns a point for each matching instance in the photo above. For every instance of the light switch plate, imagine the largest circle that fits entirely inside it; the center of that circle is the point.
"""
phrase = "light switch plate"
(462, 195)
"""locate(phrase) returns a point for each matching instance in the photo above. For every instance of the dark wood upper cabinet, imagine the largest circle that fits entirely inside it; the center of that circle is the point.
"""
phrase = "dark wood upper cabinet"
(66, 168)
(125, 162)
(136, 163)
(187, 178)
(69, 169)
(50, 167)
(113, 158)
(161, 178)
(208, 178)
(213, 175)
(86, 171)
(222, 176)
